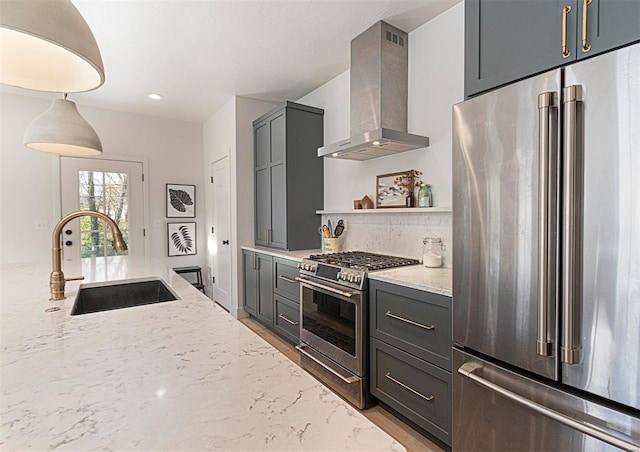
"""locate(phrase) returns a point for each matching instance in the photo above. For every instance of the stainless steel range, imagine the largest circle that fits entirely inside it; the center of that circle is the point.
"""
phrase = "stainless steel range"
(333, 318)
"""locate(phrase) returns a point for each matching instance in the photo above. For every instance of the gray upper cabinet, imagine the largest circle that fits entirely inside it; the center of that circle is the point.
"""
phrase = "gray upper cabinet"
(609, 24)
(288, 177)
(508, 40)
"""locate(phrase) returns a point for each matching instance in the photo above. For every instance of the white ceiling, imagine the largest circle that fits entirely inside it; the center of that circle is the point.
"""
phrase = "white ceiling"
(198, 54)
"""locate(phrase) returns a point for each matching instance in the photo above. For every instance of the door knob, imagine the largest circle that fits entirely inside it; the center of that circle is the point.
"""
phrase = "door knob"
(225, 242)
(68, 232)
(68, 243)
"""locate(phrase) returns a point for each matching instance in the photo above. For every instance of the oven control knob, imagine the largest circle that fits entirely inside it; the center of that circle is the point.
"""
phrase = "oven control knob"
(307, 267)
(340, 275)
(300, 265)
(313, 267)
(350, 278)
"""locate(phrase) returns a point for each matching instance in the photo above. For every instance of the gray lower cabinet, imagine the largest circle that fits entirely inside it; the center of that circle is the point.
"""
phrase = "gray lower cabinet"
(508, 40)
(410, 351)
(287, 320)
(288, 177)
(286, 294)
(258, 286)
(271, 293)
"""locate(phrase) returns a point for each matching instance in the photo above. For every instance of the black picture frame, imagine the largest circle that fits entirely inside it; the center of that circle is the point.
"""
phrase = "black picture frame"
(181, 239)
(180, 201)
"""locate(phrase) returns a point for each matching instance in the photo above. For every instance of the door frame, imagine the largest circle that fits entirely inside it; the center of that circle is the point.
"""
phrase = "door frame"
(57, 188)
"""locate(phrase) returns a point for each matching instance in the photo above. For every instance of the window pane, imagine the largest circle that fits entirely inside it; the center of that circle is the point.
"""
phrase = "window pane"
(103, 192)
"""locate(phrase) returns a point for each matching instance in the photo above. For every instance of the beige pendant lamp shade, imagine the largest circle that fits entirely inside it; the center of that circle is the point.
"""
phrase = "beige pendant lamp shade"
(46, 45)
(62, 130)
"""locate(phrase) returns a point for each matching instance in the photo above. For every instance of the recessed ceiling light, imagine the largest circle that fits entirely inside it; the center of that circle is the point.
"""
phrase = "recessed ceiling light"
(154, 96)
(335, 154)
(376, 143)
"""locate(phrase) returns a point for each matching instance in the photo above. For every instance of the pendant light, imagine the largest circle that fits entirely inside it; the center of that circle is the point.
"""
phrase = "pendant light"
(46, 45)
(62, 130)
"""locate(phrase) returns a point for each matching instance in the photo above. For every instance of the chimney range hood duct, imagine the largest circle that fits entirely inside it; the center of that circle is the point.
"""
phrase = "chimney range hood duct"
(379, 91)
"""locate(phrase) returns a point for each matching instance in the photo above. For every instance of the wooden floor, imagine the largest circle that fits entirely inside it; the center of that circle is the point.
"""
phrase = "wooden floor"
(410, 438)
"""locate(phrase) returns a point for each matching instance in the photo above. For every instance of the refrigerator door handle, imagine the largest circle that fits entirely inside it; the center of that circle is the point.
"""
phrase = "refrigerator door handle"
(570, 347)
(547, 114)
(468, 370)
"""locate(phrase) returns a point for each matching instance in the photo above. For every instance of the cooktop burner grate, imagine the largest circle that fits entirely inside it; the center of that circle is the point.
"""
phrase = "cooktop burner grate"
(361, 260)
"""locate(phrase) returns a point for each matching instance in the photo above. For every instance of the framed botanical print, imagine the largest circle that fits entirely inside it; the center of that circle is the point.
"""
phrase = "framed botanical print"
(181, 201)
(181, 239)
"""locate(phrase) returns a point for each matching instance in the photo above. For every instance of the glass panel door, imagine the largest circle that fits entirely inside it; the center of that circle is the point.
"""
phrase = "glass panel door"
(112, 187)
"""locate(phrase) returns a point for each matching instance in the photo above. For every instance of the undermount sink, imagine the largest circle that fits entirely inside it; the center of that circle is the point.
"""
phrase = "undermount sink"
(95, 297)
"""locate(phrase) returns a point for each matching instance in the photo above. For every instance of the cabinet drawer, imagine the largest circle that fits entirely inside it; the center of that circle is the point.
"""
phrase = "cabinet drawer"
(416, 389)
(415, 321)
(287, 318)
(285, 273)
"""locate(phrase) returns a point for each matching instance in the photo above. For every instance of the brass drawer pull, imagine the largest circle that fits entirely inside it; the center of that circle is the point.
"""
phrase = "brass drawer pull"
(427, 398)
(397, 317)
(284, 278)
(566, 53)
(585, 6)
(288, 320)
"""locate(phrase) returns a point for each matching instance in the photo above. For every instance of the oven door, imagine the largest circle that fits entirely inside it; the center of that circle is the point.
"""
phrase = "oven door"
(332, 322)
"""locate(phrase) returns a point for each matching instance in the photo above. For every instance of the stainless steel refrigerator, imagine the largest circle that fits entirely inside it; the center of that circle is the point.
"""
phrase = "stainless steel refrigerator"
(546, 261)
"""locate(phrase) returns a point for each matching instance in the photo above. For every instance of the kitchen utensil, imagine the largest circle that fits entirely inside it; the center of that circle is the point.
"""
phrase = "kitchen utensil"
(326, 231)
(330, 227)
(339, 229)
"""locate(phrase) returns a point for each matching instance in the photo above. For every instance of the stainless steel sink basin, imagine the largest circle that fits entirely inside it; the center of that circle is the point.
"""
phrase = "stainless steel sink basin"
(96, 297)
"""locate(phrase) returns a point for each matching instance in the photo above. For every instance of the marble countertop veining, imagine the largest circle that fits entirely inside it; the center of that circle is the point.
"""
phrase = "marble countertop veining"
(293, 255)
(435, 280)
(180, 375)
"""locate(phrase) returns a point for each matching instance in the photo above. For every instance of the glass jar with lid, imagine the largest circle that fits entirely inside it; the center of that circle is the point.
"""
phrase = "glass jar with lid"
(432, 252)
(425, 198)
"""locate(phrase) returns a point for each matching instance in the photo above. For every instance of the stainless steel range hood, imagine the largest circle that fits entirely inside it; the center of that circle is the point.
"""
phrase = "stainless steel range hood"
(379, 91)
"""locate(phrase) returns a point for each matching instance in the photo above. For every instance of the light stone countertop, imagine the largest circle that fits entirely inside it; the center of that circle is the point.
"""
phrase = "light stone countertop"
(181, 375)
(435, 280)
(293, 255)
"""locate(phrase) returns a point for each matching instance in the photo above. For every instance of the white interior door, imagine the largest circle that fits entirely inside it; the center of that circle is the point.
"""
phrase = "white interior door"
(112, 187)
(221, 255)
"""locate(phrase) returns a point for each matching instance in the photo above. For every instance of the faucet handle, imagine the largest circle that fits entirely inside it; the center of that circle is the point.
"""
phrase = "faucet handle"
(75, 278)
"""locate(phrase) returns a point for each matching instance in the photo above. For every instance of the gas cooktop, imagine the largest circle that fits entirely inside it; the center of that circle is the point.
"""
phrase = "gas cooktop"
(361, 260)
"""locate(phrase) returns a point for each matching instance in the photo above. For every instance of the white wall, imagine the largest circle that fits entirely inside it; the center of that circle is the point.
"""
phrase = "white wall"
(229, 133)
(436, 63)
(28, 191)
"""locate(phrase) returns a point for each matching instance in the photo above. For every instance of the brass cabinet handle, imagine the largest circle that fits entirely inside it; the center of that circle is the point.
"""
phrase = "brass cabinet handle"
(288, 320)
(565, 12)
(284, 278)
(585, 6)
(397, 317)
(428, 398)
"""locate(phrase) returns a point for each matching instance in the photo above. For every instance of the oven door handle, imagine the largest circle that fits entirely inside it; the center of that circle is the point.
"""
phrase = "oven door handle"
(347, 380)
(322, 286)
